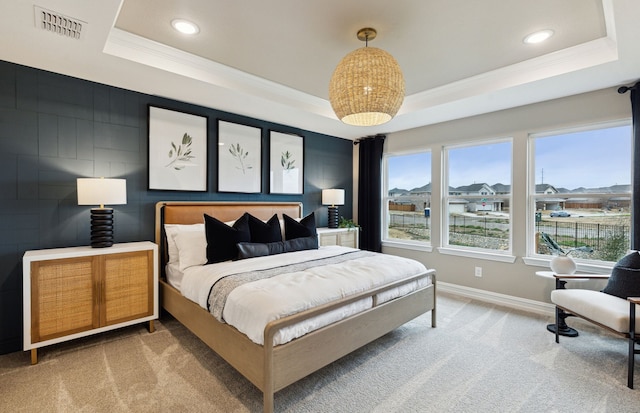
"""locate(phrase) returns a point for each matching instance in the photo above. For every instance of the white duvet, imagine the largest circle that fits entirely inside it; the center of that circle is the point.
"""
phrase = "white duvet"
(250, 307)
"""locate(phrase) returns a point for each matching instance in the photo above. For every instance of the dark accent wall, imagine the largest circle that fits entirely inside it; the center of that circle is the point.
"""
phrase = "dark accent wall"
(54, 129)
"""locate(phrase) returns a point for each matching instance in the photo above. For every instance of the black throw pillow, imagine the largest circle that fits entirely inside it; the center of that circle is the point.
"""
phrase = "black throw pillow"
(222, 239)
(254, 249)
(265, 232)
(305, 228)
(625, 277)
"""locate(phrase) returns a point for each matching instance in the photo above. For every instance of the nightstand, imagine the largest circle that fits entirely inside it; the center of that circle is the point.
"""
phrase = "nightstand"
(78, 291)
(346, 237)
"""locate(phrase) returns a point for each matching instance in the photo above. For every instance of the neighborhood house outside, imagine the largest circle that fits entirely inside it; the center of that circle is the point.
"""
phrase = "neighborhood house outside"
(595, 225)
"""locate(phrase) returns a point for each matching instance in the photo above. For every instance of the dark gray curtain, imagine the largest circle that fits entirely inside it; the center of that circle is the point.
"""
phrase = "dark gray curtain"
(635, 204)
(370, 192)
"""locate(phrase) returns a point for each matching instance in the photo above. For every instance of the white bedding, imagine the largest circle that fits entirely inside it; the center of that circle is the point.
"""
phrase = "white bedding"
(174, 274)
(250, 307)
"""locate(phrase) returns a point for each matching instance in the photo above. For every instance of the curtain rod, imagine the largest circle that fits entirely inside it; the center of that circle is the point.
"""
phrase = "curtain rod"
(625, 89)
(357, 141)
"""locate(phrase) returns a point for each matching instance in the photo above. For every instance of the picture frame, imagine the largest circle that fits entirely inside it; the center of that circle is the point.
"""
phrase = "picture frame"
(178, 153)
(239, 158)
(286, 163)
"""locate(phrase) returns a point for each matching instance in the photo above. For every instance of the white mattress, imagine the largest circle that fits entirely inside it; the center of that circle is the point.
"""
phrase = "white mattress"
(250, 307)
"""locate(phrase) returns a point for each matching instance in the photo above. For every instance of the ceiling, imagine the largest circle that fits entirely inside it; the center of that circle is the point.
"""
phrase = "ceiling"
(273, 60)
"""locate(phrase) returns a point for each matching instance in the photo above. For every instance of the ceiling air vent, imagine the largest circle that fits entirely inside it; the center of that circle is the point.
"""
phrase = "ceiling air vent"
(54, 22)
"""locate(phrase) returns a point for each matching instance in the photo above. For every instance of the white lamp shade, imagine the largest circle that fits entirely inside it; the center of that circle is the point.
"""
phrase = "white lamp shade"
(333, 197)
(101, 191)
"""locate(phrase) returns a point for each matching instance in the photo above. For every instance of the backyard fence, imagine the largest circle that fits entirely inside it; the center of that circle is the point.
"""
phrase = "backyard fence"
(408, 220)
(577, 234)
(605, 239)
(393, 206)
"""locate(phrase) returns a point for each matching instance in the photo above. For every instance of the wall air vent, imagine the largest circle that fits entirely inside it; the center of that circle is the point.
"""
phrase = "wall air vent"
(54, 22)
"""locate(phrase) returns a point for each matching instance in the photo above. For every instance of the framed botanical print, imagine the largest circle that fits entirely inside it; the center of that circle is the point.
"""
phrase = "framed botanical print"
(286, 163)
(239, 158)
(178, 158)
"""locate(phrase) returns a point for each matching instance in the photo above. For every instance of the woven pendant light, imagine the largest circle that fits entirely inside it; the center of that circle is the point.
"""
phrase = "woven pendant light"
(367, 87)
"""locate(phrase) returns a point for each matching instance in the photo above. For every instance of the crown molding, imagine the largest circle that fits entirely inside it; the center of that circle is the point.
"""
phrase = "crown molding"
(150, 53)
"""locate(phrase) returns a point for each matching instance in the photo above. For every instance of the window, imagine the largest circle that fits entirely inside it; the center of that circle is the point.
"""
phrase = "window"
(476, 206)
(581, 195)
(407, 198)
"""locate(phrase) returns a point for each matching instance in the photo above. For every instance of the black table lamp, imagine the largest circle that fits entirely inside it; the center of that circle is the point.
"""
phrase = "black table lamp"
(333, 197)
(101, 191)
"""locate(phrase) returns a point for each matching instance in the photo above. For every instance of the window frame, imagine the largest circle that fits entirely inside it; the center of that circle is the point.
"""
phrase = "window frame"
(396, 242)
(531, 256)
(473, 252)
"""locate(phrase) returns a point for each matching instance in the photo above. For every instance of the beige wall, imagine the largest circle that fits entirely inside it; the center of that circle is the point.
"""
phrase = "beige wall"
(516, 279)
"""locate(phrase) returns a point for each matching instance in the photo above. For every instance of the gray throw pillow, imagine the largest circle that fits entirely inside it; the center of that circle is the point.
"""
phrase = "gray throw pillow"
(625, 277)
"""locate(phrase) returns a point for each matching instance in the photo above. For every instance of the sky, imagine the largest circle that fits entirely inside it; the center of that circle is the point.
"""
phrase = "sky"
(409, 171)
(596, 158)
(593, 158)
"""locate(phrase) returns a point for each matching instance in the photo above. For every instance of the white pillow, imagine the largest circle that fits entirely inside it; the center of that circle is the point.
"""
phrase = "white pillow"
(171, 230)
(192, 248)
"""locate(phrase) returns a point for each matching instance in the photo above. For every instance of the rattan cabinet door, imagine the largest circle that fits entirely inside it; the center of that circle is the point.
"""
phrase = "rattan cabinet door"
(127, 287)
(64, 297)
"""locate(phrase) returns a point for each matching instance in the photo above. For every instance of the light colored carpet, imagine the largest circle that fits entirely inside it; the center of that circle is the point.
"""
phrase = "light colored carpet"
(480, 358)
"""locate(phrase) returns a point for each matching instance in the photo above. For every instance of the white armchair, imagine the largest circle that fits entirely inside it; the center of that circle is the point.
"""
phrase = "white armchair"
(611, 312)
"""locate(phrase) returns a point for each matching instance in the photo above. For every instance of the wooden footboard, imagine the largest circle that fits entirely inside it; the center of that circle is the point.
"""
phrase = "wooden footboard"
(288, 363)
(272, 368)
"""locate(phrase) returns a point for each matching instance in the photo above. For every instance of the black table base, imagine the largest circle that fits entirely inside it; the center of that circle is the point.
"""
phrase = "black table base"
(563, 328)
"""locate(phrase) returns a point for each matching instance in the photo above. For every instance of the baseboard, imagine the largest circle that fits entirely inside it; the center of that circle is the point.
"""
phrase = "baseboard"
(497, 298)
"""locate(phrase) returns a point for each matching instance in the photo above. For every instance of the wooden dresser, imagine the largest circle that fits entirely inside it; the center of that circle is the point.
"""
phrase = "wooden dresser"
(79, 291)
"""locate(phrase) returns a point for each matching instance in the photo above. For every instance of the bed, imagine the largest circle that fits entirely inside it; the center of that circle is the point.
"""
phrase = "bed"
(271, 367)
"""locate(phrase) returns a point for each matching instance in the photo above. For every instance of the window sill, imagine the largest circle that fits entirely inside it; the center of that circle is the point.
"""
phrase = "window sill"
(408, 245)
(596, 268)
(483, 255)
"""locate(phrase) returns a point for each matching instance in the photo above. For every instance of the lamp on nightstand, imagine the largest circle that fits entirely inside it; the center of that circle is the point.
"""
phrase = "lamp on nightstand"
(101, 191)
(333, 197)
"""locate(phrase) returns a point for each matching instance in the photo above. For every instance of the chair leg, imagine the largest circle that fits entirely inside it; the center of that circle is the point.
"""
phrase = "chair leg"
(557, 325)
(632, 352)
(632, 343)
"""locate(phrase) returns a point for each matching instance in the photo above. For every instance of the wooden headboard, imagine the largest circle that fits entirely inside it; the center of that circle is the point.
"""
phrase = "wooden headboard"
(186, 212)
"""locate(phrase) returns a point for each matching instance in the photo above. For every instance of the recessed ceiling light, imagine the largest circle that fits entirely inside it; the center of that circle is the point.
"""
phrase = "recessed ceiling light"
(185, 26)
(538, 37)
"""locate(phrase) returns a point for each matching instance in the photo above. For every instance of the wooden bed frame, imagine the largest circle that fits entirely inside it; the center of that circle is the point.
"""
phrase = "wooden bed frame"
(271, 368)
